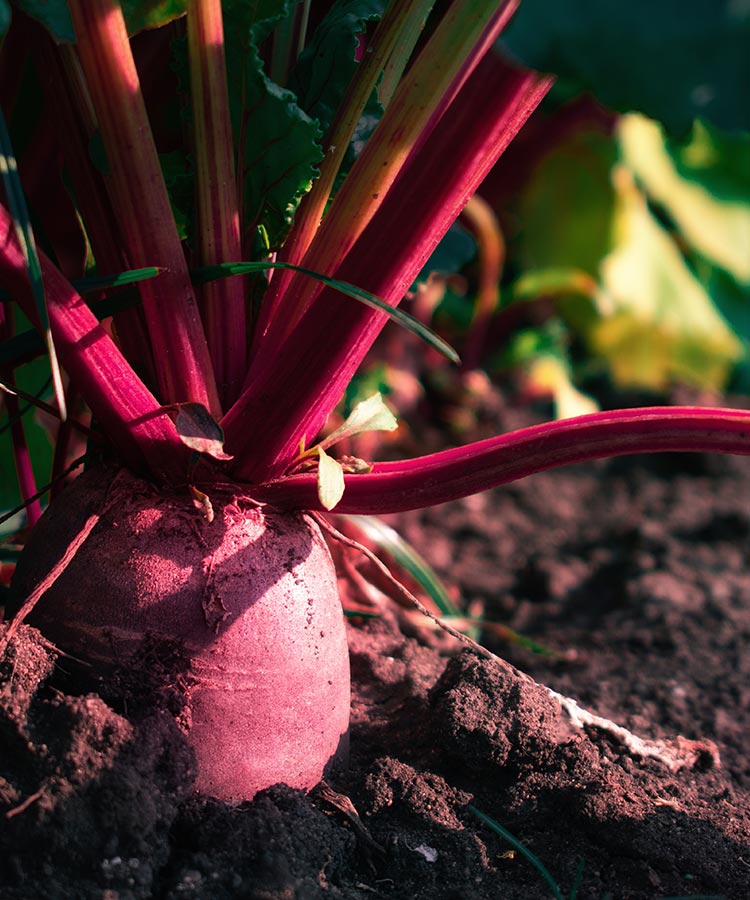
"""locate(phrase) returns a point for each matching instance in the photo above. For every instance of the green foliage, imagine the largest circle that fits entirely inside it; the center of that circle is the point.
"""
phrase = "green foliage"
(281, 149)
(664, 326)
(279, 144)
(642, 243)
(703, 185)
(673, 61)
(326, 67)
(567, 207)
(139, 15)
(33, 378)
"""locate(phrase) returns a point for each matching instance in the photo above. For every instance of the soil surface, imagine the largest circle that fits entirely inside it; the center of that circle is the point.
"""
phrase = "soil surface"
(633, 574)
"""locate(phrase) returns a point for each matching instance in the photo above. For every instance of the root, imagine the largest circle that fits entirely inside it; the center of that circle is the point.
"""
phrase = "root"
(676, 754)
(679, 753)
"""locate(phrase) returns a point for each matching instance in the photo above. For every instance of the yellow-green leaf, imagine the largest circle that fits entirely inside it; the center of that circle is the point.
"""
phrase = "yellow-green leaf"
(716, 225)
(665, 327)
(369, 415)
(550, 373)
(330, 480)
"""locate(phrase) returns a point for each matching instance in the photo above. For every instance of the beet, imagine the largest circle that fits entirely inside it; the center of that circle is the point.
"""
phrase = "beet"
(249, 598)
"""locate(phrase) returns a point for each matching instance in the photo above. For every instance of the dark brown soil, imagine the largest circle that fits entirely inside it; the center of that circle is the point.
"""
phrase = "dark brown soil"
(634, 572)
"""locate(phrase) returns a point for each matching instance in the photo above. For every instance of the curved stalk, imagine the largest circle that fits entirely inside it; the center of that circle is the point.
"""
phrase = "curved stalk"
(484, 224)
(451, 474)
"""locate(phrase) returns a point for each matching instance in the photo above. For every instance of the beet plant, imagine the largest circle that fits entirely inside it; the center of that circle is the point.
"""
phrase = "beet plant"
(272, 232)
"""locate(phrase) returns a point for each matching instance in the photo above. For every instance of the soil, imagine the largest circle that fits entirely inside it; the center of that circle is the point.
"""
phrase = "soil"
(632, 574)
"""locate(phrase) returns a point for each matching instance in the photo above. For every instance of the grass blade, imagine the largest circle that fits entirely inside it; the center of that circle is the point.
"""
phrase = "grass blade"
(517, 845)
(131, 276)
(225, 270)
(385, 538)
(25, 234)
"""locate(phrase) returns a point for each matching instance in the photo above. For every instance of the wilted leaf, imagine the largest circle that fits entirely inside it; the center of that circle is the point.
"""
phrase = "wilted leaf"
(673, 61)
(202, 502)
(714, 220)
(369, 415)
(199, 431)
(330, 480)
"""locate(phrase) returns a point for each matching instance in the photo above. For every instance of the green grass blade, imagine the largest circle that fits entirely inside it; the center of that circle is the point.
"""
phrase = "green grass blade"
(25, 234)
(577, 880)
(517, 845)
(385, 538)
(28, 344)
(209, 273)
(131, 276)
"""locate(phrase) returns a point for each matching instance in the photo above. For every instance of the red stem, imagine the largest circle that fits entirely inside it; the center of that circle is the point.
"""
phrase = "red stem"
(451, 474)
(142, 204)
(140, 430)
(62, 81)
(218, 235)
(295, 386)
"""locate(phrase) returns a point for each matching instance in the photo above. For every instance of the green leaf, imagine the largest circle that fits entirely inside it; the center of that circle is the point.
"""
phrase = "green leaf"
(673, 61)
(139, 15)
(143, 14)
(130, 276)
(255, 20)
(369, 415)
(281, 152)
(453, 252)
(665, 327)
(326, 67)
(199, 431)
(330, 480)
(279, 144)
(714, 219)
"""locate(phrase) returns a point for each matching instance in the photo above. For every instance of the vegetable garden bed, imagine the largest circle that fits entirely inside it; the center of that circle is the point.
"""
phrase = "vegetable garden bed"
(633, 572)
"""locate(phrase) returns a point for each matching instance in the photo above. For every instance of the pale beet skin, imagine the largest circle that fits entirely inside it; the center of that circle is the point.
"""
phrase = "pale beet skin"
(250, 597)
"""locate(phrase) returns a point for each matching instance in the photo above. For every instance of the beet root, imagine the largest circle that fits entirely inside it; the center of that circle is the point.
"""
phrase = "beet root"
(250, 598)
